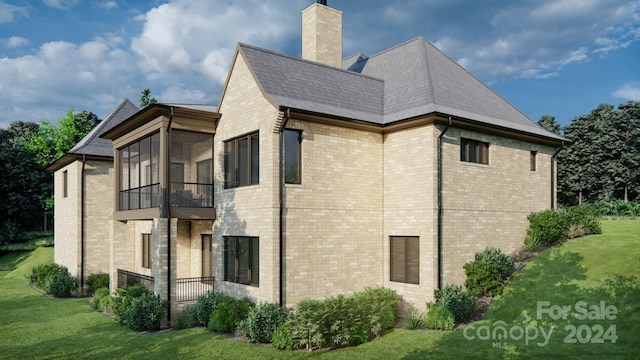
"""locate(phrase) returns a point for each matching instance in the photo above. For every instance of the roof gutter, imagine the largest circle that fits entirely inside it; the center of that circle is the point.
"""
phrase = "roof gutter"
(440, 207)
(553, 175)
(82, 212)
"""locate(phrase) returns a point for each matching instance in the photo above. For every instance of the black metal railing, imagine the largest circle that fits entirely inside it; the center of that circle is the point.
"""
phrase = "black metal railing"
(189, 289)
(142, 197)
(130, 278)
(195, 195)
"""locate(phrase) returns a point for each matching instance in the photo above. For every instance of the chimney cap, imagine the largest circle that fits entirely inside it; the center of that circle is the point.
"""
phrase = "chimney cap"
(322, 2)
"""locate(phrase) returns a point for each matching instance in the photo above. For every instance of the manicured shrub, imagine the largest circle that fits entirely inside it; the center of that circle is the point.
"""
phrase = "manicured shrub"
(439, 317)
(586, 216)
(205, 306)
(96, 302)
(228, 314)
(533, 240)
(262, 321)
(345, 321)
(40, 274)
(60, 284)
(413, 318)
(122, 299)
(575, 231)
(282, 338)
(106, 304)
(483, 278)
(182, 319)
(497, 257)
(53, 279)
(145, 312)
(457, 300)
(380, 307)
(306, 323)
(97, 281)
(549, 225)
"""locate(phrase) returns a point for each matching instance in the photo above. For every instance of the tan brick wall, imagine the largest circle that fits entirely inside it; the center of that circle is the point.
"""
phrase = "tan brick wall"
(67, 218)
(487, 205)
(250, 210)
(333, 220)
(98, 213)
(322, 35)
(410, 209)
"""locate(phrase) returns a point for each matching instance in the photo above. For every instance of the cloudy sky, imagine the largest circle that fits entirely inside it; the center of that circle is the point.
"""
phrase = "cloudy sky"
(560, 57)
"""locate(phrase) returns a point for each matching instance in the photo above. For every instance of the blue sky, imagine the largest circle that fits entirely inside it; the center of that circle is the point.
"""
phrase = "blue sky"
(559, 58)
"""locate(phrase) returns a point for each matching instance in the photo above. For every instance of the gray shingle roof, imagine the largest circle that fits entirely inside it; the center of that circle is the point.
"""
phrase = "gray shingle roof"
(92, 144)
(406, 81)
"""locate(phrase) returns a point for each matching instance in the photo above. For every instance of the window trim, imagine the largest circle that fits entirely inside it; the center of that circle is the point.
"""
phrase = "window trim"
(250, 138)
(405, 277)
(298, 160)
(254, 242)
(480, 154)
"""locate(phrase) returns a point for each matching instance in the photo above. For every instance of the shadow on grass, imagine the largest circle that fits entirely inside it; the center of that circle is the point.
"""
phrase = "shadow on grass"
(543, 313)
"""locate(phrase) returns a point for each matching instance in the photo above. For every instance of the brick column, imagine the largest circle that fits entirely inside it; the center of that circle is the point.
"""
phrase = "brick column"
(161, 272)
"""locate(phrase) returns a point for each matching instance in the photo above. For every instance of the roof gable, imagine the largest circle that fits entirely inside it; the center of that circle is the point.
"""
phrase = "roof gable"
(92, 144)
(310, 86)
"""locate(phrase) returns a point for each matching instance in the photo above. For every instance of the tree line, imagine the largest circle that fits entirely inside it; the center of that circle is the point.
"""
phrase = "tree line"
(601, 163)
(26, 149)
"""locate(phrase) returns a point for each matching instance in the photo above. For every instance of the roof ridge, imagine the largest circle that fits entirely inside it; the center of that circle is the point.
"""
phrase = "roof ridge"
(481, 82)
(428, 72)
(417, 38)
(311, 62)
(94, 132)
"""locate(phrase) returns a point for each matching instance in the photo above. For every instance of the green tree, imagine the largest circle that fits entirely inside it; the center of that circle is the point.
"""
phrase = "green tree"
(146, 99)
(601, 163)
(24, 184)
(53, 141)
(549, 123)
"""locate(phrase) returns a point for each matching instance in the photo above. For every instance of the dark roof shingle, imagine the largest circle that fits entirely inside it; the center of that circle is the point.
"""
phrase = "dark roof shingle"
(403, 82)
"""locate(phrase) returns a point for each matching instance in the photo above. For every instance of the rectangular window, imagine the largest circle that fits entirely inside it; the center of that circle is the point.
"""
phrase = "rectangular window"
(139, 174)
(146, 251)
(65, 184)
(242, 161)
(474, 151)
(532, 160)
(207, 255)
(242, 260)
(405, 259)
(292, 156)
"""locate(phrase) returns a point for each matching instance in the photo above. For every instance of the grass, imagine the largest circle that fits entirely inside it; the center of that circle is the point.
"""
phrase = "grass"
(37, 328)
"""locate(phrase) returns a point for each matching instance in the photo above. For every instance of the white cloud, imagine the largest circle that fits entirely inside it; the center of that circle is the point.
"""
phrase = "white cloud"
(61, 4)
(541, 37)
(65, 74)
(193, 42)
(628, 92)
(108, 4)
(9, 13)
(16, 42)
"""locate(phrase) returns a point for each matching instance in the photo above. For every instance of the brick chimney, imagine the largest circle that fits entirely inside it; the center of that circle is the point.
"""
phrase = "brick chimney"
(322, 34)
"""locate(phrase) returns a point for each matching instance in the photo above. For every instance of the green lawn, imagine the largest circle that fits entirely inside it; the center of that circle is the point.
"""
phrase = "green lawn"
(583, 270)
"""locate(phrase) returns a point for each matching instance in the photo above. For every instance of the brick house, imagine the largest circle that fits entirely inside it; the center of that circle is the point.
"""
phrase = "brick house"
(321, 176)
(83, 191)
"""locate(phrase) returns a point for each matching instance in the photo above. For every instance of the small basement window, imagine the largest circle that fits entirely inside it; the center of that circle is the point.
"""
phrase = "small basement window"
(474, 151)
